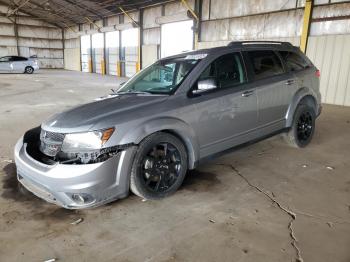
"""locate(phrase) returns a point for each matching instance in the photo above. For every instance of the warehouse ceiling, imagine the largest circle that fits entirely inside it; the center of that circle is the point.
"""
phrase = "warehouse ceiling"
(65, 13)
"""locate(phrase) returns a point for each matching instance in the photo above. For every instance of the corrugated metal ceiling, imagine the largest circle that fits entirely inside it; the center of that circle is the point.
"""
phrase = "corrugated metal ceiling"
(64, 13)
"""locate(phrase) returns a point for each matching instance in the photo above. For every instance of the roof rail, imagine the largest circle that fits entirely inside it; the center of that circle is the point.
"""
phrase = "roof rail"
(246, 43)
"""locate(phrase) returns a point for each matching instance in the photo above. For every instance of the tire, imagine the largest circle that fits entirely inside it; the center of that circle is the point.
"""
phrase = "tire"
(29, 70)
(154, 173)
(303, 127)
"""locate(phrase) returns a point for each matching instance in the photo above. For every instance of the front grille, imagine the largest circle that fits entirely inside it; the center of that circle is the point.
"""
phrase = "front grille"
(50, 142)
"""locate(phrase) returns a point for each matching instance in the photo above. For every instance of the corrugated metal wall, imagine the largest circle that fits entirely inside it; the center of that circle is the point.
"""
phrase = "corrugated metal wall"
(35, 37)
(71, 50)
(331, 54)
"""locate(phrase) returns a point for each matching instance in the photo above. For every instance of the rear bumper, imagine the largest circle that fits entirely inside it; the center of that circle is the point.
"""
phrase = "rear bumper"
(75, 186)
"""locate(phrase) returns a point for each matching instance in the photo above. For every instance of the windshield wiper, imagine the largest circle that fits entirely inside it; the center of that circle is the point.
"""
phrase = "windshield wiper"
(134, 92)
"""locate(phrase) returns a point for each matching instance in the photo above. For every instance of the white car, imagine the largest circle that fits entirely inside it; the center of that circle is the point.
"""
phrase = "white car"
(18, 64)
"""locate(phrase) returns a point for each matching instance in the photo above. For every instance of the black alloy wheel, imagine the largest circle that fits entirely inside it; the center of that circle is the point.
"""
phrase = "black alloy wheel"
(161, 167)
(304, 126)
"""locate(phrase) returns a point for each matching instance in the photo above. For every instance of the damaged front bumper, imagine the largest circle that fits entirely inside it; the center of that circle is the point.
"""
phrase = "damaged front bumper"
(75, 186)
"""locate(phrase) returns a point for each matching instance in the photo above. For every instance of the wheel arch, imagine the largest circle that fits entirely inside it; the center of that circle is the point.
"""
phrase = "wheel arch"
(170, 125)
(303, 96)
(188, 146)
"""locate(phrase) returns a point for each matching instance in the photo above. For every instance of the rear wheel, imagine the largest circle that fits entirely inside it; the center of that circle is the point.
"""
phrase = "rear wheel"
(303, 126)
(159, 166)
(29, 70)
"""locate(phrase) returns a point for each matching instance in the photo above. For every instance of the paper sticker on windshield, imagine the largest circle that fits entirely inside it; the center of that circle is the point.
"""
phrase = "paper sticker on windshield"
(196, 56)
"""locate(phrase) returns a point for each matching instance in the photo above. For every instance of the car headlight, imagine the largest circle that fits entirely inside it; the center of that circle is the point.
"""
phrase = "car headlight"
(78, 142)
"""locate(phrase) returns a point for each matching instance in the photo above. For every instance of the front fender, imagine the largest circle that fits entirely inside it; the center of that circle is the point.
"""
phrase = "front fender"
(167, 124)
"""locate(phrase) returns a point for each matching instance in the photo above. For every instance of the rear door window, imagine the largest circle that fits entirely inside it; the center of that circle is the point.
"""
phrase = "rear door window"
(19, 58)
(265, 63)
(294, 61)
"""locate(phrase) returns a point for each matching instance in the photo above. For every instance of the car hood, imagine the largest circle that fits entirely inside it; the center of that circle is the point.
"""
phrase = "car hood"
(102, 113)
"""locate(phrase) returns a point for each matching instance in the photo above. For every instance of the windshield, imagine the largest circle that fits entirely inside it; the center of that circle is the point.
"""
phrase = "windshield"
(163, 77)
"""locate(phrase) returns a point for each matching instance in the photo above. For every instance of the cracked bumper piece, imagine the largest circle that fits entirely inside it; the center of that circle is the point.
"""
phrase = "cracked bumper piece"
(75, 186)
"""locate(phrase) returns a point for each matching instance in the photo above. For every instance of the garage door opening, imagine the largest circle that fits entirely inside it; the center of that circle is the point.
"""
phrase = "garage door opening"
(85, 44)
(172, 33)
(112, 53)
(97, 53)
(130, 51)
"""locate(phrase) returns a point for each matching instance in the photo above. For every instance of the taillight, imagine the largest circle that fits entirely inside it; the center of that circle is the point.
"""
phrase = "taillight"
(318, 73)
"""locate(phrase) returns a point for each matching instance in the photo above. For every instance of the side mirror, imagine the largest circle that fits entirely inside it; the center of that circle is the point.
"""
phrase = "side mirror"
(205, 85)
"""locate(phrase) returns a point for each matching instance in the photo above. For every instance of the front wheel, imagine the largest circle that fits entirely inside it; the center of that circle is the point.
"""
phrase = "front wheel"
(29, 70)
(303, 126)
(159, 166)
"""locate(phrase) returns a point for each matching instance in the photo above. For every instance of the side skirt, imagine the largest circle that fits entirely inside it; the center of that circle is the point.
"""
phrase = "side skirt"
(235, 148)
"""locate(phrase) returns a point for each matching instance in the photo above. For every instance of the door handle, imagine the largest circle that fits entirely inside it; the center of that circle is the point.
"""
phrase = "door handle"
(290, 82)
(247, 93)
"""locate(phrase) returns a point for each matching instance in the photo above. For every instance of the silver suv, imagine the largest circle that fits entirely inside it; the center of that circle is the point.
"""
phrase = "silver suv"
(166, 119)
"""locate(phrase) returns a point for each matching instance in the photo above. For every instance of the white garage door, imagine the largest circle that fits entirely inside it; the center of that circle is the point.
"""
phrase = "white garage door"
(176, 38)
(112, 52)
(97, 53)
(85, 53)
(130, 44)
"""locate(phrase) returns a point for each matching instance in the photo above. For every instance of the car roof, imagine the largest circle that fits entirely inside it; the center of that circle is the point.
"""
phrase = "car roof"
(12, 56)
(239, 46)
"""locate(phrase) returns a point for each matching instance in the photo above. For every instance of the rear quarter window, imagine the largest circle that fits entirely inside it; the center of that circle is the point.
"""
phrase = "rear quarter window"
(294, 61)
(265, 63)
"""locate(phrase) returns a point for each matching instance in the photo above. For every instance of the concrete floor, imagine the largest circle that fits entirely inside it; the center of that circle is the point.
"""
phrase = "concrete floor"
(266, 202)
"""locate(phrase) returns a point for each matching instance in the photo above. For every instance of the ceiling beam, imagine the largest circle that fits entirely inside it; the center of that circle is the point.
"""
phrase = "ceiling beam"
(83, 7)
(18, 7)
(31, 15)
(59, 16)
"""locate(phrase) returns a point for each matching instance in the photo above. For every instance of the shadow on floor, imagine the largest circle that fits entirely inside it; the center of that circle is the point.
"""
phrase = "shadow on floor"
(31, 206)
(197, 180)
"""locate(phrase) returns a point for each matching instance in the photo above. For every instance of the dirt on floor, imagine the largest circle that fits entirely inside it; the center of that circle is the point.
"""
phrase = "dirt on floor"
(265, 202)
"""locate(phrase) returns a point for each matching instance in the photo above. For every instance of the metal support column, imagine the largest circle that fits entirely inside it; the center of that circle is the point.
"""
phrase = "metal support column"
(63, 48)
(104, 59)
(198, 10)
(91, 56)
(139, 62)
(196, 20)
(306, 25)
(15, 28)
(119, 63)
